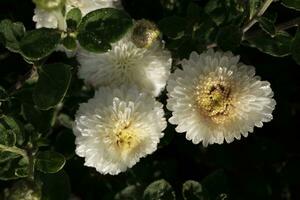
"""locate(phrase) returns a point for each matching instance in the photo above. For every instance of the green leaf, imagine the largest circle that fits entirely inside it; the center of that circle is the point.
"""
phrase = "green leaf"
(73, 18)
(39, 43)
(295, 48)
(6, 171)
(185, 45)
(11, 34)
(206, 31)
(278, 46)
(70, 43)
(293, 4)
(215, 10)
(267, 25)
(103, 26)
(13, 126)
(173, 26)
(226, 11)
(55, 186)
(53, 83)
(192, 190)
(50, 161)
(40, 119)
(5, 156)
(160, 189)
(229, 37)
(7, 137)
(91, 42)
(22, 170)
(13, 169)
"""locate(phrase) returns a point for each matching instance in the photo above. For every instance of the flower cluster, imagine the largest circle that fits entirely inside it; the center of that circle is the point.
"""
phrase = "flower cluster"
(213, 97)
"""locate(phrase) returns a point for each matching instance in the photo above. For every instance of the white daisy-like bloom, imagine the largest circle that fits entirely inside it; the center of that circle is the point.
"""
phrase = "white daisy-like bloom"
(118, 127)
(148, 68)
(56, 19)
(216, 98)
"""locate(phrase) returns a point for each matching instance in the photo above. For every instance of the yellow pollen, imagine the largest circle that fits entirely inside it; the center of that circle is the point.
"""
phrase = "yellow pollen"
(126, 139)
(214, 99)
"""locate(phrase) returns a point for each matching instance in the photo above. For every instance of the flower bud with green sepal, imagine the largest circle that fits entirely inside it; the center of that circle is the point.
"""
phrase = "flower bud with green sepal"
(144, 33)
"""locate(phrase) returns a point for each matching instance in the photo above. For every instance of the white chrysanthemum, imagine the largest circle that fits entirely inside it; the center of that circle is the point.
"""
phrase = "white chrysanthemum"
(148, 68)
(118, 127)
(55, 18)
(214, 97)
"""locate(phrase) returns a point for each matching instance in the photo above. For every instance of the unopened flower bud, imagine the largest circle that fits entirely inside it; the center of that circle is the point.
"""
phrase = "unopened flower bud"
(144, 33)
(49, 4)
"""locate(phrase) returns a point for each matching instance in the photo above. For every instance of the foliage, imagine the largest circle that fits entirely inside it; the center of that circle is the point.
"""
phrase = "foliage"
(40, 93)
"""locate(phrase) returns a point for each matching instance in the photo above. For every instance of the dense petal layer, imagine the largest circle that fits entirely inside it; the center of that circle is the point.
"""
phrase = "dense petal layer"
(118, 127)
(216, 98)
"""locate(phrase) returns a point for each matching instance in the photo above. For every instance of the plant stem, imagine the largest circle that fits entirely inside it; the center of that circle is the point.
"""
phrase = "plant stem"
(31, 162)
(258, 14)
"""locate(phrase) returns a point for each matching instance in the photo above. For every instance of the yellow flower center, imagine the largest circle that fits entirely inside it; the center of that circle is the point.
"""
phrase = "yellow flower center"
(127, 140)
(214, 99)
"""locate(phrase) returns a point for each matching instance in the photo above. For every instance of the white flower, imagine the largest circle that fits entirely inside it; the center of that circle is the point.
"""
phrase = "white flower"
(148, 68)
(118, 127)
(56, 19)
(49, 19)
(214, 97)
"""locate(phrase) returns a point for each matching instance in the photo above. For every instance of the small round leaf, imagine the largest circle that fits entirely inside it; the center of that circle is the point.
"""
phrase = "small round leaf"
(50, 161)
(103, 26)
(39, 43)
(160, 189)
(192, 190)
(73, 18)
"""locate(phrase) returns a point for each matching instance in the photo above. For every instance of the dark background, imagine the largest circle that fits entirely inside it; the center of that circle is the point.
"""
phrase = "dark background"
(265, 165)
